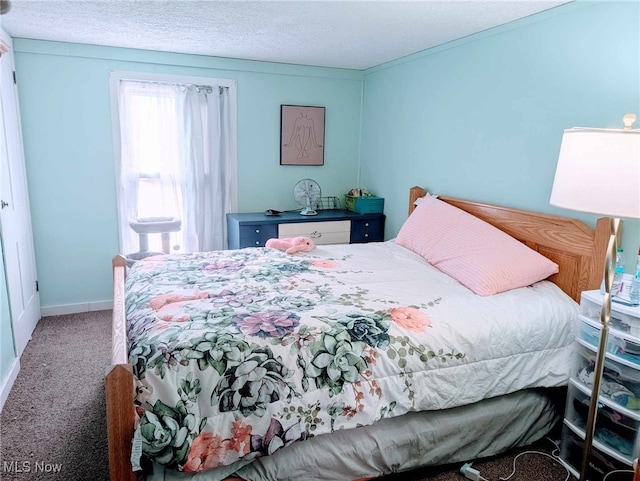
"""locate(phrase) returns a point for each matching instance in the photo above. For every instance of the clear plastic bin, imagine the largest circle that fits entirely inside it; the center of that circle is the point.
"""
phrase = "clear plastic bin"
(616, 430)
(620, 344)
(623, 318)
(621, 380)
(600, 463)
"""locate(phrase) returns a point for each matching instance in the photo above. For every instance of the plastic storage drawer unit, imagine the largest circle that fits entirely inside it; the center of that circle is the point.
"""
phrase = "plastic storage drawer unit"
(616, 442)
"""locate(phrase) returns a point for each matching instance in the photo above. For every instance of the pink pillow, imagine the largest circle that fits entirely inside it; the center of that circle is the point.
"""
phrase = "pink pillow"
(476, 254)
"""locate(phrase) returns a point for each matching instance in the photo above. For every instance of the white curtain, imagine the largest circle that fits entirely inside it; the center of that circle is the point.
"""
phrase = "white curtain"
(207, 166)
(175, 162)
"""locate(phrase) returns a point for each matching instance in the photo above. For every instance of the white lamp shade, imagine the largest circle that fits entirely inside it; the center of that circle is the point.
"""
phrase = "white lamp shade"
(599, 172)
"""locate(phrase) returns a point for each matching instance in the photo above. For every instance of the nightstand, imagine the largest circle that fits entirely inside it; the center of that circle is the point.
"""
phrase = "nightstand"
(327, 227)
(617, 440)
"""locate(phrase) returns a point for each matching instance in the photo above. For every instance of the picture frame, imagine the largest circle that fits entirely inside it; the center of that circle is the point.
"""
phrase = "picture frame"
(302, 135)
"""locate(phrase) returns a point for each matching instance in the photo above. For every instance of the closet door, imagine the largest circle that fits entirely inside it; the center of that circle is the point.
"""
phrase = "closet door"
(17, 238)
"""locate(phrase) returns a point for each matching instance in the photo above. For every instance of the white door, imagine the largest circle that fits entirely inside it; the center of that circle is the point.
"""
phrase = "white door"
(15, 217)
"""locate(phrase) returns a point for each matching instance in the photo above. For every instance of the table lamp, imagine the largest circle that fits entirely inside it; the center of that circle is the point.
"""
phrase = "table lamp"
(598, 172)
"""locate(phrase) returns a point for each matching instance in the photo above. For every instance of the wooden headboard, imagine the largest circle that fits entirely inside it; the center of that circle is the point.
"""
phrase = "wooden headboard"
(578, 249)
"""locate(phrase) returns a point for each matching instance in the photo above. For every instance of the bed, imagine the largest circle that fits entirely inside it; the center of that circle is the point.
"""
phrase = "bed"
(377, 361)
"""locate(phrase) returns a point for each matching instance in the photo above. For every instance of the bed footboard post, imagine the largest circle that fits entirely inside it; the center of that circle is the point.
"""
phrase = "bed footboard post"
(120, 421)
(119, 385)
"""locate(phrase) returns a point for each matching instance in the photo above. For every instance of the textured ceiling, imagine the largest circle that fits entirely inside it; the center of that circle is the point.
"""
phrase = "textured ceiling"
(349, 34)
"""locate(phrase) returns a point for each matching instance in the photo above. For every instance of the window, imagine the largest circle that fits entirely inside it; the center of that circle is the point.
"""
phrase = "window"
(175, 157)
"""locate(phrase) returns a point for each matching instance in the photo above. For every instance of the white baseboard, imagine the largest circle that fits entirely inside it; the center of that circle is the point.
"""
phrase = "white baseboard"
(76, 308)
(7, 384)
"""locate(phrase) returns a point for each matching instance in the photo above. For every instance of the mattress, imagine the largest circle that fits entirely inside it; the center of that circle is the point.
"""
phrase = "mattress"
(238, 354)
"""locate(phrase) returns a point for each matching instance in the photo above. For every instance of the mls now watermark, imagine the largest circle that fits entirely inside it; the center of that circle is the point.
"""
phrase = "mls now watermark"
(18, 467)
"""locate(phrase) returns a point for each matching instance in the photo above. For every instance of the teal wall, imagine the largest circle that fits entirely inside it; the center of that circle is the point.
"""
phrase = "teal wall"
(7, 350)
(64, 102)
(482, 118)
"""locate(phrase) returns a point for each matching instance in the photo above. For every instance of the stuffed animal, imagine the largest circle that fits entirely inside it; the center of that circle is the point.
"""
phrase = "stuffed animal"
(292, 245)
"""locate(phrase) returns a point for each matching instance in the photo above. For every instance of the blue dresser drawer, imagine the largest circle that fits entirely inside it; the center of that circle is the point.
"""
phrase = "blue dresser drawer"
(257, 235)
(367, 229)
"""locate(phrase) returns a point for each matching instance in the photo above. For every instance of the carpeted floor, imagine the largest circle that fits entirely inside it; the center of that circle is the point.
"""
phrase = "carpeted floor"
(54, 415)
(53, 427)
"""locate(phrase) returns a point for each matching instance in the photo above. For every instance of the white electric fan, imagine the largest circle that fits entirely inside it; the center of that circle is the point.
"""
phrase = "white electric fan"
(307, 193)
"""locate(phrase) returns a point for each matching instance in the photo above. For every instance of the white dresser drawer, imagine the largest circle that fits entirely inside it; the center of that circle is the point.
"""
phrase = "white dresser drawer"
(330, 232)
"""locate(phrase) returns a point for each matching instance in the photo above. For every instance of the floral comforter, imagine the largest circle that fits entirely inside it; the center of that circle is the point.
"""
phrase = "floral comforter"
(240, 353)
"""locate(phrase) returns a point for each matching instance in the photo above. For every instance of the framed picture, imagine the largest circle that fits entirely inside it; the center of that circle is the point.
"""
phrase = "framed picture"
(301, 135)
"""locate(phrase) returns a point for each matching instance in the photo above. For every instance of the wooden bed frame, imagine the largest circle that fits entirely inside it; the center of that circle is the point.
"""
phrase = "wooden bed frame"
(578, 250)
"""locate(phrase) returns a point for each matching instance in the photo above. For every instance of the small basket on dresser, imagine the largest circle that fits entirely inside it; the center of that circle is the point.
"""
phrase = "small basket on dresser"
(367, 204)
